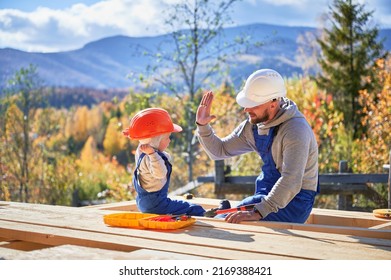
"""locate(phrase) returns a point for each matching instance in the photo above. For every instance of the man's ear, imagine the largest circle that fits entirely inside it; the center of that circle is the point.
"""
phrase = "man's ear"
(274, 104)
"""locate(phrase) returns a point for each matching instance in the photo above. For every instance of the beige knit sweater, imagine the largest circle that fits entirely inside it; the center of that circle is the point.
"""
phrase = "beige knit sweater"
(294, 150)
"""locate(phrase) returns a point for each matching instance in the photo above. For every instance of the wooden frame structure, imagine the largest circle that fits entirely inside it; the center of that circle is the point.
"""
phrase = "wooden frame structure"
(343, 183)
(32, 231)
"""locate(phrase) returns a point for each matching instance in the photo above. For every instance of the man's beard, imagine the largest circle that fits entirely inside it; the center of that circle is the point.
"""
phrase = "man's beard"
(259, 119)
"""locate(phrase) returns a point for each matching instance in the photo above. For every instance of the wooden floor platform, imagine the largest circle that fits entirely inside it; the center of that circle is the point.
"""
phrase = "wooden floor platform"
(33, 231)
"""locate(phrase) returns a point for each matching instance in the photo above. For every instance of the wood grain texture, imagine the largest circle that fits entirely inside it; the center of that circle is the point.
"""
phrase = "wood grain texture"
(207, 238)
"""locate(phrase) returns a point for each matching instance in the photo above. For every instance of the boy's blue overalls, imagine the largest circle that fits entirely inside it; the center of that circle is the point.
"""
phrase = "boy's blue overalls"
(300, 207)
(158, 202)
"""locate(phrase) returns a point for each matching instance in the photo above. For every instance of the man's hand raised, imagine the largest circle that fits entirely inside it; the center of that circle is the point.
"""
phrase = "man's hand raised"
(203, 116)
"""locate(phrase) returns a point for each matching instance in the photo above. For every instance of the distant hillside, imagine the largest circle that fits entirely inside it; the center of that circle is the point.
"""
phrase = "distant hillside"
(105, 63)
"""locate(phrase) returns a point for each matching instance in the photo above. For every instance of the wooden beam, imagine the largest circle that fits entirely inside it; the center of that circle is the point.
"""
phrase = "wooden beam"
(326, 178)
(234, 187)
(73, 252)
(343, 184)
(382, 226)
(23, 245)
(320, 220)
(122, 242)
(211, 238)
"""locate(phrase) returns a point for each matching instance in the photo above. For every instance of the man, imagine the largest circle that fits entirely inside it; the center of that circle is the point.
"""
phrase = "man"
(275, 129)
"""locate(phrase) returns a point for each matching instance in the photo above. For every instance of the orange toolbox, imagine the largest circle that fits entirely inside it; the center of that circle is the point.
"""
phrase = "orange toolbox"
(148, 221)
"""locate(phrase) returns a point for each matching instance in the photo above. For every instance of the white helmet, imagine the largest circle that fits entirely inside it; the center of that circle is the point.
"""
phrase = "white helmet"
(260, 87)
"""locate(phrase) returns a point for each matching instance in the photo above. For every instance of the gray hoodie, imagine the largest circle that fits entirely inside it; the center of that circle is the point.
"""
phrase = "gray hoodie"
(294, 151)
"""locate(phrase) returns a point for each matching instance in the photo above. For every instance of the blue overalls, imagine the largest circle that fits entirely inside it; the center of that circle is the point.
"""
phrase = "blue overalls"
(158, 202)
(300, 207)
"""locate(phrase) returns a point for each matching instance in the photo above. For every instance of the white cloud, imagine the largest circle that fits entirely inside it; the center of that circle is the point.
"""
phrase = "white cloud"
(45, 29)
(73, 27)
(288, 2)
(296, 4)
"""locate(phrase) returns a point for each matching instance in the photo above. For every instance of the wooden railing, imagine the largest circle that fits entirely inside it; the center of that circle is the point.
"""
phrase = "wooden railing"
(343, 184)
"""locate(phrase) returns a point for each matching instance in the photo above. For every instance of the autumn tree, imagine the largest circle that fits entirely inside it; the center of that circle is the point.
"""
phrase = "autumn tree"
(349, 50)
(114, 142)
(59, 181)
(32, 163)
(95, 125)
(77, 124)
(327, 123)
(24, 97)
(195, 53)
(372, 150)
(101, 176)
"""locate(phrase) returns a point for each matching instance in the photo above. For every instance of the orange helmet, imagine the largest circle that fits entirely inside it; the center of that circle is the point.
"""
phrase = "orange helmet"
(149, 123)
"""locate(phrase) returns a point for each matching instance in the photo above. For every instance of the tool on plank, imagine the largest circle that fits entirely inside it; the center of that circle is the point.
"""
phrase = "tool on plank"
(215, 211)
(382, 213)
(170, 218)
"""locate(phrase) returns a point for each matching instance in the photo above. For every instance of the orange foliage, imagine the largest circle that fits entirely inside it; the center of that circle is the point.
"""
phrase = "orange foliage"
(318, 108)
(373, 150)
(99, 165)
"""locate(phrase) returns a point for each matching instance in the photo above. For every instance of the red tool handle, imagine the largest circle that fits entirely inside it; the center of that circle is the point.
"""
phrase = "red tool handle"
(236, 209)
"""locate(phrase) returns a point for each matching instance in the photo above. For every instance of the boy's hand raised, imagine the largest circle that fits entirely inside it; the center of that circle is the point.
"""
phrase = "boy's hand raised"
(147, 149)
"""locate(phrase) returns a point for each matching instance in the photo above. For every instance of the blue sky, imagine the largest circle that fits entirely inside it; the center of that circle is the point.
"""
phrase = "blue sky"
(60, 25)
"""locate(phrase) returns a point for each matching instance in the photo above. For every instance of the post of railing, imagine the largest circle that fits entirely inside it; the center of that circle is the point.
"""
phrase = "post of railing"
(344, 201)
(219, 177)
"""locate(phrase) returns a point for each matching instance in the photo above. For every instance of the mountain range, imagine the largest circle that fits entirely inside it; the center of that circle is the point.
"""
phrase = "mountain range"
(106, 63)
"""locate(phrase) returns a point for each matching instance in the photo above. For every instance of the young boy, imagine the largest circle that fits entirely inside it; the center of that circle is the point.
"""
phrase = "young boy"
(153, 127)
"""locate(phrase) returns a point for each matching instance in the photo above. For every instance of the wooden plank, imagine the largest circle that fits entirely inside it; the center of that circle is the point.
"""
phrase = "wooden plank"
(117, 206)
(383, 226)
(344, 218)
(329, 188)
(23, 245)
(122, 242)
(352, 178)
(207, 203)
(330, 183)
(73, 252)
(373, 233)
(333, 183)
(344, 215)
(320, 220)
(323, 216)
(351, 225)
(235, 186)
(229, 237)
(338, 233)
(326, 178)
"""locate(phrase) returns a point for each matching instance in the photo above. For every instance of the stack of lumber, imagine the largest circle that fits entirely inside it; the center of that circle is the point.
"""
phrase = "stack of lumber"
(34, 231)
